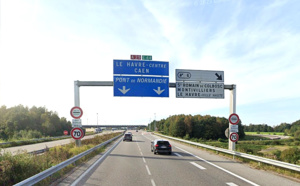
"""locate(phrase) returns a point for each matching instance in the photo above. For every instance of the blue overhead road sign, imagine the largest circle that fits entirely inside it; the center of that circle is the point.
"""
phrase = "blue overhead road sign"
(140, 67)
(141, 86)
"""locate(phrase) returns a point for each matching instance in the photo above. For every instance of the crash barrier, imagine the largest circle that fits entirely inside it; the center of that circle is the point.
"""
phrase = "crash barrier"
(42, 175)
(239, 154)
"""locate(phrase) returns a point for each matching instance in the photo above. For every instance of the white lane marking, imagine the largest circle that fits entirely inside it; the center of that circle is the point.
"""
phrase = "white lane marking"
(177, 154)
(148, 170)
(153, 183)
(144, 160)
(141, 153)
(231, 184)
(244, 179)
(198, 166)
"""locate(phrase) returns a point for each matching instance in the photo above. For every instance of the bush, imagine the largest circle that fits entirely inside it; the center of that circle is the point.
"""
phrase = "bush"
(221, 140)
(291, 155)
(277, 153)
(186, 137)
(276, 142)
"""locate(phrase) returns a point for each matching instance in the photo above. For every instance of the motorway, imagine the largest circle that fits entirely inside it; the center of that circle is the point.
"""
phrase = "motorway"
(133, 164)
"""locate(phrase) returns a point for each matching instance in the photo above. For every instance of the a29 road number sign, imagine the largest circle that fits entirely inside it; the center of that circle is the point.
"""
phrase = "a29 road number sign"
(234, 137)
(77, 133)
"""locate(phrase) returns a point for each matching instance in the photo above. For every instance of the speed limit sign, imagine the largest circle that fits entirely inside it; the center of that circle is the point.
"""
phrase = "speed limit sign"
(234, 137)
(77, 133)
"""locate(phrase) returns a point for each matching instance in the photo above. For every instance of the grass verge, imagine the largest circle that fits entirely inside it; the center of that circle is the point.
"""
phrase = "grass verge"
(16, 168)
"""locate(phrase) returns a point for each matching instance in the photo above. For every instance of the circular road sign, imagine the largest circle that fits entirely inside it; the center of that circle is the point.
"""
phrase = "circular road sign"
(76, 112)
(65, 132)
(234, 119)
(77, 133)
(234, 137)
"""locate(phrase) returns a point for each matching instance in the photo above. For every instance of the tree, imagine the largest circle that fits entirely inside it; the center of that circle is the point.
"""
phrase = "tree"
(22, 122)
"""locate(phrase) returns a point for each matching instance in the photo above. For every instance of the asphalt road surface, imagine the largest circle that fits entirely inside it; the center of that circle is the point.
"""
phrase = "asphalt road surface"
(133, 164)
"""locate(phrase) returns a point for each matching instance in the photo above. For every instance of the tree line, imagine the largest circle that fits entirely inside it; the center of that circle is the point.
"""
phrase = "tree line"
(292, 129)
(21, 122)
(200, 127)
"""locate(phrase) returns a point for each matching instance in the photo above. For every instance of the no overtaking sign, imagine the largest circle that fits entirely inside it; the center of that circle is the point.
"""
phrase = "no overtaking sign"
(234, 119)
(76, 112)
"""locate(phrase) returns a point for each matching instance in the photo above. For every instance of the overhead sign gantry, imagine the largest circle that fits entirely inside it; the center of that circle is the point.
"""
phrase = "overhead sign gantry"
(145, 78)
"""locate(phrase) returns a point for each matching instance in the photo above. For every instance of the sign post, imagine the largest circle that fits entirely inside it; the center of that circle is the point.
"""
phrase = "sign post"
(233, 129)
(77, 133)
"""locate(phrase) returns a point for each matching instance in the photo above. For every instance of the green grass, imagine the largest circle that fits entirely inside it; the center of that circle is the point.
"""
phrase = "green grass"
(265, 133)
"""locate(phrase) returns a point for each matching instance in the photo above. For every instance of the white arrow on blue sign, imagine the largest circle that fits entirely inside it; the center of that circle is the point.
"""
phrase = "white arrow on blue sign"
(143, 86)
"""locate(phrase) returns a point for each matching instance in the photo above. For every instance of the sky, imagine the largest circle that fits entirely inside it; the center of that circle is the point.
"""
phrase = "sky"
(47, 45)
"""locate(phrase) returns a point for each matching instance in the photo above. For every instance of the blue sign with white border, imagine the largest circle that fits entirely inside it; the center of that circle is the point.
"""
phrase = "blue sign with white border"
(141, 67)
(142, 86)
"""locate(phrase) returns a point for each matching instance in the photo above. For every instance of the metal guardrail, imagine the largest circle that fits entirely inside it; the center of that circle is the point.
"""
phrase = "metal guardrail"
(243, 155)
(42, 175)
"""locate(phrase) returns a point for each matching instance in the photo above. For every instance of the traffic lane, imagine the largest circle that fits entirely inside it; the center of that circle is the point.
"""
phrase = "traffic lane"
(182, 168)
(259, 177)
(123, 166)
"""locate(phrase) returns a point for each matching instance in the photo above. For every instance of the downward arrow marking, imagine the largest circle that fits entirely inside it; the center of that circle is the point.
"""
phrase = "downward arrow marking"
(124, 90)
(158, 91)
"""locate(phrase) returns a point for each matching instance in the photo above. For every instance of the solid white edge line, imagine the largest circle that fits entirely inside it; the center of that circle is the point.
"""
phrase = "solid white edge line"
(144, 160)
(198, 166)
(233, 174)
(153, 183)
(148, 170)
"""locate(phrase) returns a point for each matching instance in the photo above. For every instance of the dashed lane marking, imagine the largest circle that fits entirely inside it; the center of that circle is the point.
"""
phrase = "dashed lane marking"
(197, 165)
(148, 170)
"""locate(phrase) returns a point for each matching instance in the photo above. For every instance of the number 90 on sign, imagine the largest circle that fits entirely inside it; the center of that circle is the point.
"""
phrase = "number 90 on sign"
(77, 133)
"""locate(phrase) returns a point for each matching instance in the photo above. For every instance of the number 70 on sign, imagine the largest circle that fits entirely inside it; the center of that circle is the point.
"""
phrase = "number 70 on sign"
(77, 133)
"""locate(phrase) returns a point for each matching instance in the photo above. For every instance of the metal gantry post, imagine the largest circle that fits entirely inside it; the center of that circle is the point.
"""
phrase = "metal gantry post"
(77, 104)
(231, 145)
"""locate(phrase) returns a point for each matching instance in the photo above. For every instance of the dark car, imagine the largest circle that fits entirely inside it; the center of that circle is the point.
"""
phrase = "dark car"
(161, 146)
(127, 137)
